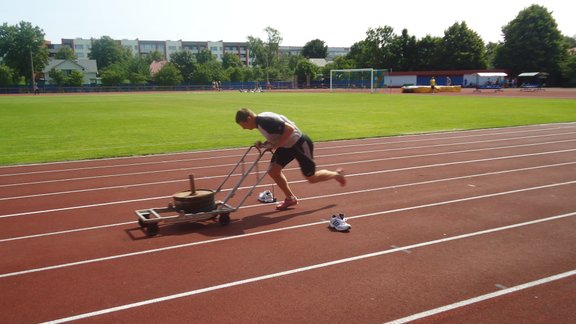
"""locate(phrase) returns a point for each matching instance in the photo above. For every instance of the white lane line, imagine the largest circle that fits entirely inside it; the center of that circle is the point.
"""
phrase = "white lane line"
(398, 210)
(481, 298)
(314, 267)
(297, 181)
(319, 156)
(470, 176)
(288, 169)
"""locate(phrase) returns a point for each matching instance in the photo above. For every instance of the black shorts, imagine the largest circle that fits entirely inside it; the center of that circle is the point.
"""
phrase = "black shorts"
(302, 151)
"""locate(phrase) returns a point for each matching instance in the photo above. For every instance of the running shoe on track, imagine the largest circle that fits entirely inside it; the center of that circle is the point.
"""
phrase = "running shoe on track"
(338, 222)
(287, 203)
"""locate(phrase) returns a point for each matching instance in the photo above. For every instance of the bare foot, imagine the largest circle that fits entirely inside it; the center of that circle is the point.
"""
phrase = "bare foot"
(340, 177)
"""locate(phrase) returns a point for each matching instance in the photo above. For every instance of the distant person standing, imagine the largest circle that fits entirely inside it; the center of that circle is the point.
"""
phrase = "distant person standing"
(448, 81)
(432, 85)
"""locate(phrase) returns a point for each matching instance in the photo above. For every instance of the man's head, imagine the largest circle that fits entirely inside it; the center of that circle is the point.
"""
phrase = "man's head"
(246, 118)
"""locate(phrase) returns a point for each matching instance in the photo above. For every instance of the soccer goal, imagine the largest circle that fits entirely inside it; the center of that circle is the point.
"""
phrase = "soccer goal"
(369, 80)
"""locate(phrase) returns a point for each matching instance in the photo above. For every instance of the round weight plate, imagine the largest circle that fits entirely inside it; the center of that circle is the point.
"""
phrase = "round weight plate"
(201, 201)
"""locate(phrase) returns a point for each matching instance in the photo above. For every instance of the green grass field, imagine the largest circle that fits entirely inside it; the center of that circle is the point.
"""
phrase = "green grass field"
(70, 127)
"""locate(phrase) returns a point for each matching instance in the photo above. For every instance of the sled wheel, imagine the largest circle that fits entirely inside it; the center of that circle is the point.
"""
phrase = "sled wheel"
(224, 219)
(152, 229)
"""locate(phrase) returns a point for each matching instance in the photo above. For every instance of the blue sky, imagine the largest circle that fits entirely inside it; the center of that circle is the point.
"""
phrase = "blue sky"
(337, 23)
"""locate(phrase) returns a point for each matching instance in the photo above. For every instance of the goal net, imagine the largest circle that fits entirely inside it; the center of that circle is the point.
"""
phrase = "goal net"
(369, 80)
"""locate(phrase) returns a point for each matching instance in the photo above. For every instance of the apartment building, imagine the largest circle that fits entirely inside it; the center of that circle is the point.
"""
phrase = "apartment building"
(138, 47)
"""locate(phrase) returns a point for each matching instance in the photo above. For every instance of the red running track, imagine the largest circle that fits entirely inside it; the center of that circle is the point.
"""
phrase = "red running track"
(472, 226)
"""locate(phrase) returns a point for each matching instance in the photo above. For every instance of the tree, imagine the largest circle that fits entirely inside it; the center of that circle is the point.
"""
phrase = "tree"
(208, 72)
(462, 49)
(153, 56)
(168, 75)
(234, 74)
(375, 51)
(185, 62)
(306, 71)
(113, 75)
(315, 49)
(568, 68)
(265, 54)
(107, 51)
(21, 47)
(532, 43)
(256, 51)
(6, 75)
(205, 56)
(427, 56)
(231, 60)
(65, 53)
(74, 78)
(404, 52)
(137, 70)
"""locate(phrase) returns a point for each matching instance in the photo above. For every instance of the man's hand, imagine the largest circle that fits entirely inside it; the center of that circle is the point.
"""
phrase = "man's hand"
(264, 145)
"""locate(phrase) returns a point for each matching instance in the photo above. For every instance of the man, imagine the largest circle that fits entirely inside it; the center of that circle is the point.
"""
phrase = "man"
(289, 143)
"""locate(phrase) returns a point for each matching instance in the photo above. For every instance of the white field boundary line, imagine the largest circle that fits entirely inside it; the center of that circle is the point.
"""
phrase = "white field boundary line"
(325, 265)
(482, 298)
(516, 129)
(310, 198)
(237, 174)
(281, 229)
(291, 182)
(324, 156)
(320, 148)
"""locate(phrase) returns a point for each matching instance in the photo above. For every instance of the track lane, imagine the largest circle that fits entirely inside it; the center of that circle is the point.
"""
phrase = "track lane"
(422, 222)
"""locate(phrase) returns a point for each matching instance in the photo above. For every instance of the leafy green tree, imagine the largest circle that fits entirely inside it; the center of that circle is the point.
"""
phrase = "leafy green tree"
(205, 56)
(168, 75)
(306, 71)
(113, 75)
(375, 51)
(491, 49)
(315, 49)
(58, 77)
(532, 43)
(20, 43)
(6, 75)
(568, 68)
(208, 72)
(427, 56)
(185, 62)
(462, 49)
(256, 51)
(234, 74)
(153, 56)
(339, 63)
(230, 60)
(404, 52)
(570, 41)
(137, 70)
(61, 78)
(265, 54)
(65, 53)
(107, 51)
(75, 79)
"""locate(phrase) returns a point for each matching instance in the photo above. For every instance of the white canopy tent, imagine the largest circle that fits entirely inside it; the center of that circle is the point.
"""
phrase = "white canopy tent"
(542, 75)
(483, 77)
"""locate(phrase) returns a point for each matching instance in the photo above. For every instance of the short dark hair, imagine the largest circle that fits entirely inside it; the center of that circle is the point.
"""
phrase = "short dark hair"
(243, 114)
